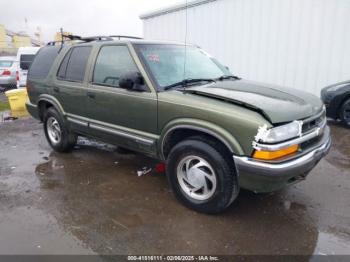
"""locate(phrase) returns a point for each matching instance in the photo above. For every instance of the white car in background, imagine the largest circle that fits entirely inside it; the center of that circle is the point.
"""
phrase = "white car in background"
(8, 68)
(25, 56)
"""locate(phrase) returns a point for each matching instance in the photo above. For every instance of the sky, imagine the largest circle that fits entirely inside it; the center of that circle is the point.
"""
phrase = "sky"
(86, 18)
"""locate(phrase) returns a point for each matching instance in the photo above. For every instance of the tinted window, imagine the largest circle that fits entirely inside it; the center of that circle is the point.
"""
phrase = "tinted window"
(75, 69)
(43, 61)
(111, 63)
(25, 61)
(63, 67)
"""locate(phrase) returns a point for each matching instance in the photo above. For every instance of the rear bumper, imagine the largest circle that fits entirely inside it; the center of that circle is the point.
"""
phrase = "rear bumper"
(33, 110)
(261, 176)
(7, 80)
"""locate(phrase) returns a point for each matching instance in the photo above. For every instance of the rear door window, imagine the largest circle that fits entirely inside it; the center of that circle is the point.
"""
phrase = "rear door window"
(111, 63)
(74, 64)
(25, 61)
(42, 62)
(63, 67)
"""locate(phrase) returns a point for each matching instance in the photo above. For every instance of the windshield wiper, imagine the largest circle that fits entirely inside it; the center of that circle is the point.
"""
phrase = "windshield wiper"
(225, 77)
(187, 81)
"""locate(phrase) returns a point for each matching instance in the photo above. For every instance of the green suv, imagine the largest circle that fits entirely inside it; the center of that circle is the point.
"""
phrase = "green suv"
(174, 102)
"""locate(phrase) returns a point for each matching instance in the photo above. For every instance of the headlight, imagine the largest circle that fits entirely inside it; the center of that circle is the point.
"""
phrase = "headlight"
(280, 133)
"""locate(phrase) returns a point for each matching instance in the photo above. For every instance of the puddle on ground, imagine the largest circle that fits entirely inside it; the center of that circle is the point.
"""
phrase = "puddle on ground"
(34, 222)
(331, 244)
(8, 116)
(92, 200)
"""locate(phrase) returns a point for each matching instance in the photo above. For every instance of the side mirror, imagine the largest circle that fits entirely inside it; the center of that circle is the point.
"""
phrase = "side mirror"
(132, 81)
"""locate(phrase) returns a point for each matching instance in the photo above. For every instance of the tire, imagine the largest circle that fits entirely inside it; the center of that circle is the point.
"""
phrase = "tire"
(345, 113)
(211, 183)
(57, 133)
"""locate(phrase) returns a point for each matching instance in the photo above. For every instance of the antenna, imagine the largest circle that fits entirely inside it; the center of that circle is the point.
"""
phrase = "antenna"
(62, 41)
(61, 36)
(184, 75)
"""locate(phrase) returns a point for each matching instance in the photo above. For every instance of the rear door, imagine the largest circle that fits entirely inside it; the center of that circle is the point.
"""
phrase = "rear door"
(126, 117)
(70, 86)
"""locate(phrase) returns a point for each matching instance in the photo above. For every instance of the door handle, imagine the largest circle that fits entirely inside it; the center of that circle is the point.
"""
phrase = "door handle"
(56, 89)
(90, 94)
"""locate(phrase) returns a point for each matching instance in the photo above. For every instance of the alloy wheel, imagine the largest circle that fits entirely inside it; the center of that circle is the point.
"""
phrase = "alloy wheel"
(54, 130)
(196, 178)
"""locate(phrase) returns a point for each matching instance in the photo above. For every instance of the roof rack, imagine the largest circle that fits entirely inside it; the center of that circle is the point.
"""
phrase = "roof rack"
(125, 36)
(99, 38)
(91, 38)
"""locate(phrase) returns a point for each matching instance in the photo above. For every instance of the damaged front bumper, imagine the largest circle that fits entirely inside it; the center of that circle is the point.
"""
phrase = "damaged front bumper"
(263, 176)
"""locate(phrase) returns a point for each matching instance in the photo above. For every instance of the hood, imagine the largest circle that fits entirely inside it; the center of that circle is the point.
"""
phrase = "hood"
(276, 103)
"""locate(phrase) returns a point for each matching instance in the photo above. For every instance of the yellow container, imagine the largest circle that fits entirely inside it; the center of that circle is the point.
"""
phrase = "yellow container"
(17, 100)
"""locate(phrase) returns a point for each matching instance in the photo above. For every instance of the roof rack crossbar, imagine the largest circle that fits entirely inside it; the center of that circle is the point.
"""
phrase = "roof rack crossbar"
(125, 36)
(89, 38)
(71, 37)
(96, 38)
(92, 38)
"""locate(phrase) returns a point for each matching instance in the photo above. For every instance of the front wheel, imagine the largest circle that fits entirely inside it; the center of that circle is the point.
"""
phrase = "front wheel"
(345, 113)
(57, 133)
(202, 175)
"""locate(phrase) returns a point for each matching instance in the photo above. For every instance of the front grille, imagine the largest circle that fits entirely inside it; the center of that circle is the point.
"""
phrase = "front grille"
(310, 143)
(314, 122)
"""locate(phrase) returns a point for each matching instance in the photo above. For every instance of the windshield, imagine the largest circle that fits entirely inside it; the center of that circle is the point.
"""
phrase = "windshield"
(167, 63)
(5, 63)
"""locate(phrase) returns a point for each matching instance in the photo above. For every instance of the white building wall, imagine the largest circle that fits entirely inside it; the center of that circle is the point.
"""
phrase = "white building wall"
(303, 44)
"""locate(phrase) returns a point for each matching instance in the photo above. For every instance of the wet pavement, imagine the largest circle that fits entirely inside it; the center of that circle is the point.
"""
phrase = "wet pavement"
(92, 201)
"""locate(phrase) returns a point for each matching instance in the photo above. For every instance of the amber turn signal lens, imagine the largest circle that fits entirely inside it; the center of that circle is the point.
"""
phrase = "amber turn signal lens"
(270, 155)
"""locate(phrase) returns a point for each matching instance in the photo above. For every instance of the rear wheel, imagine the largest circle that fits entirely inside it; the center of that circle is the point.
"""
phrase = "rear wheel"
(57, 133)
(202, 176)
(345, 113)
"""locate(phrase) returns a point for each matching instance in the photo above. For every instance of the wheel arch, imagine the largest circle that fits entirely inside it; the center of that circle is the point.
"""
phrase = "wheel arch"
(179, 130)
(344, 98)
(46, 101)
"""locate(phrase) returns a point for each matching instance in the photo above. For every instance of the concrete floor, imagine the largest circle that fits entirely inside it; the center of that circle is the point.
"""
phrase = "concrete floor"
(92, 201)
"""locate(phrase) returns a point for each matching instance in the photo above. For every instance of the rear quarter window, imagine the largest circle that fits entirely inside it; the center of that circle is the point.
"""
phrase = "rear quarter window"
(42, 63)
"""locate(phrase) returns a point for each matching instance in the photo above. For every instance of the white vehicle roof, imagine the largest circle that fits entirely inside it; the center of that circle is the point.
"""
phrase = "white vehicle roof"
(27, 50)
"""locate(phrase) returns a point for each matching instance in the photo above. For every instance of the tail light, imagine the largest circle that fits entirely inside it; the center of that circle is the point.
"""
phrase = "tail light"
(17, 75)
(6, 73)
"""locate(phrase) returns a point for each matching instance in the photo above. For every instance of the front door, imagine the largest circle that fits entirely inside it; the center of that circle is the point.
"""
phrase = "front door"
(126, 117)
